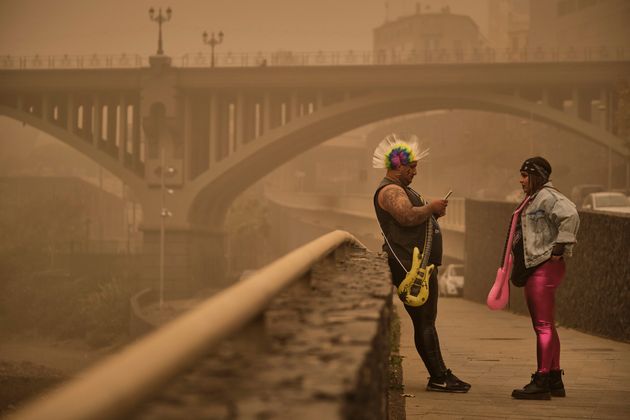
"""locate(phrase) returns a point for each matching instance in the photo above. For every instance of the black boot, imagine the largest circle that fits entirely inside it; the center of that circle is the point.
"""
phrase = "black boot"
(555, 383)
(537, 389)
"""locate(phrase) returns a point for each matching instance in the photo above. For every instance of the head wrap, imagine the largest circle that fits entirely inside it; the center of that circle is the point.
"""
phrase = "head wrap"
(393, 152)
(537, 165)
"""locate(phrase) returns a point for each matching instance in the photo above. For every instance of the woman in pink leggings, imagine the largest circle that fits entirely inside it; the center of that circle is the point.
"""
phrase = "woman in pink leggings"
(545, 234)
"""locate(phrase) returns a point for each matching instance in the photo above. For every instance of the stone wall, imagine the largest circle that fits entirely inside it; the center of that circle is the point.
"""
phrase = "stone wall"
(321, 350)
(594, 296)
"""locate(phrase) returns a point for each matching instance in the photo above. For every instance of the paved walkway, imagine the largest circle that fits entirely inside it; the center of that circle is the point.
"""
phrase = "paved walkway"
(495, 352)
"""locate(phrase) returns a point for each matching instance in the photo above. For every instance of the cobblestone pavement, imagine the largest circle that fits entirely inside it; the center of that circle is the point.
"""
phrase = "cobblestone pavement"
(495, 352)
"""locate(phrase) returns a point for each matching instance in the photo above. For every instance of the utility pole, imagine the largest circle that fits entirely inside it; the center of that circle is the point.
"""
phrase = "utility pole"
(164, 213)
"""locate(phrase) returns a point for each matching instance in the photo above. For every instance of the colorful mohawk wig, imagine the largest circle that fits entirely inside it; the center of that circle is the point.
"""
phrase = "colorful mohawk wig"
(392, 152)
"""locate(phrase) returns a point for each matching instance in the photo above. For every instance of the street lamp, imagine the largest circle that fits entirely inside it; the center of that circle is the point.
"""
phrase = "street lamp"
(212, 42)
(164, 213)
(160, 19)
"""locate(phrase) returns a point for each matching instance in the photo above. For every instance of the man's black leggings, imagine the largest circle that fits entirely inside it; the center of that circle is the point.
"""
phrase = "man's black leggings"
(423, 318)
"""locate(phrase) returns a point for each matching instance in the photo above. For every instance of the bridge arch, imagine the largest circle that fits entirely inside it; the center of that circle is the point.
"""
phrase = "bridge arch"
(213, 192)
(77, 143)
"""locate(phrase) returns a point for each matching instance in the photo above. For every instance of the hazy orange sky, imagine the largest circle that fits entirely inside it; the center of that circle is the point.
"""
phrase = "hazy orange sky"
(122, 26)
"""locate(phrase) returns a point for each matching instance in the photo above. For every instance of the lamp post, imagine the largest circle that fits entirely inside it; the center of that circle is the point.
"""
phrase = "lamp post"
(160, 19)
(164, 213)
(213, 42)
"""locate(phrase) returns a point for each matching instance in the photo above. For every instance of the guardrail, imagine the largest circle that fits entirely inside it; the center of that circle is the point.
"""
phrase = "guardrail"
(72, 61)
(324, 58)
(409, 57)
(108, 390)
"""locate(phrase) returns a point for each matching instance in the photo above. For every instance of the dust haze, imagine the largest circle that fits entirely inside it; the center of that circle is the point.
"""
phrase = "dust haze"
(78, 243)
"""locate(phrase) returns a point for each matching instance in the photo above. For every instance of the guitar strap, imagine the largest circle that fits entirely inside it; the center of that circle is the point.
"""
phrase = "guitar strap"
(428, 238)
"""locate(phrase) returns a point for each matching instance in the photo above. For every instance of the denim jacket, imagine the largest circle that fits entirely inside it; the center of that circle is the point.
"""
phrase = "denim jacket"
(550, 218)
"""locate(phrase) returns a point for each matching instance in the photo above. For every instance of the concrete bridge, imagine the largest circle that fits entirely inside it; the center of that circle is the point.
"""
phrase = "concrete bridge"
(208, 133)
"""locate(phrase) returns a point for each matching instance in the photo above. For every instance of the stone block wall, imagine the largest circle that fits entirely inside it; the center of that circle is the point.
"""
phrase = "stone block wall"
(321, 350)
(594, 296)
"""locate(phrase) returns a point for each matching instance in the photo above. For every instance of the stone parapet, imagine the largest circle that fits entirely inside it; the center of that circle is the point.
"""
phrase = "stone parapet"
(321, 350)
(595, 294)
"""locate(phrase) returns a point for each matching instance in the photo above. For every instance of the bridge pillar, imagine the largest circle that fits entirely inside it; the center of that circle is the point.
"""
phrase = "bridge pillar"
(96, 120)
(122, 129)
(71, 114)
(239, 121)
(213, 119)
(552, 99)
(605, 110)
(266, 113)
(194, 260)
(581, 104)
(293, 106)
(46, 108)
(161, 122)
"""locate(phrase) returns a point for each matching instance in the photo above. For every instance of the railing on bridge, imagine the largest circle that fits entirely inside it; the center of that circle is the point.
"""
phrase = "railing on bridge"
(325, 58)
(67, 61)
(412, 57)
(108, 390)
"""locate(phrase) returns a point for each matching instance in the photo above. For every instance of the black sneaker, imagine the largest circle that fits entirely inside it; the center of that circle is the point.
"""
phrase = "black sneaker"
(537, 389)
(447, 383)
(556, 387)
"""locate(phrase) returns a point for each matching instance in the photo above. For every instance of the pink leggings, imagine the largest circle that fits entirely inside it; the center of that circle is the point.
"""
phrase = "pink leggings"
(540, 291)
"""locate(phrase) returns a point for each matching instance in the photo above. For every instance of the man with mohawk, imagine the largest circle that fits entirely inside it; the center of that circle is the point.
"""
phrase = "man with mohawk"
(407, 221)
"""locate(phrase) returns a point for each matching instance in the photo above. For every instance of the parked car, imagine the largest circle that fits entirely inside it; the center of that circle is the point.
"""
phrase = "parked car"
(579, 192)
(451, 282)
(607, 201)
(624, 191)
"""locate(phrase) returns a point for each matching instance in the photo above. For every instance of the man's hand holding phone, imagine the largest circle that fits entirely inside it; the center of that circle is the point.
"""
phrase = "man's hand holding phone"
(439, 206)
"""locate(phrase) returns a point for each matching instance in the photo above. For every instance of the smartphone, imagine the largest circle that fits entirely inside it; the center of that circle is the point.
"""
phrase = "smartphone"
(448, 194)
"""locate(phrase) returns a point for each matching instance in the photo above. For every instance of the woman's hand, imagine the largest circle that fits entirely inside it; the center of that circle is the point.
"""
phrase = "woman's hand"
(557, 251)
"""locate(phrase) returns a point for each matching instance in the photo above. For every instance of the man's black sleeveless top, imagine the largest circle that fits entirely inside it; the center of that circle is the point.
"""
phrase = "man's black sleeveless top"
(404, 238)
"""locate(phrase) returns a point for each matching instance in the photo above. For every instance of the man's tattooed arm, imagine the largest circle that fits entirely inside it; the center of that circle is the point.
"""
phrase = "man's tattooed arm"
(394, 200)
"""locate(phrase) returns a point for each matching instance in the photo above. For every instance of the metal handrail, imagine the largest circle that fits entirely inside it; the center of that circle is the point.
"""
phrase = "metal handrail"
(601, 53)
(116, 385)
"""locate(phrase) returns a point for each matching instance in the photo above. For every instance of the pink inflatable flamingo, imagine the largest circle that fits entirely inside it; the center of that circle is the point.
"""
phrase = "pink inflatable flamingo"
(500, 292)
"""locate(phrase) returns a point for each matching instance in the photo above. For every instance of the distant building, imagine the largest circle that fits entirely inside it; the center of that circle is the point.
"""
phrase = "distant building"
(578, 24)
(426, 33)
(508, 24)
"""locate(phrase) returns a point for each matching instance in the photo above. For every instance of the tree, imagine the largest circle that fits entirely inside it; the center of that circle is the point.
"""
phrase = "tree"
(39, 223)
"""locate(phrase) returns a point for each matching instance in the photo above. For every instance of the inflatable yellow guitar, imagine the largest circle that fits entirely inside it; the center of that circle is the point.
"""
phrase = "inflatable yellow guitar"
(414, 289)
